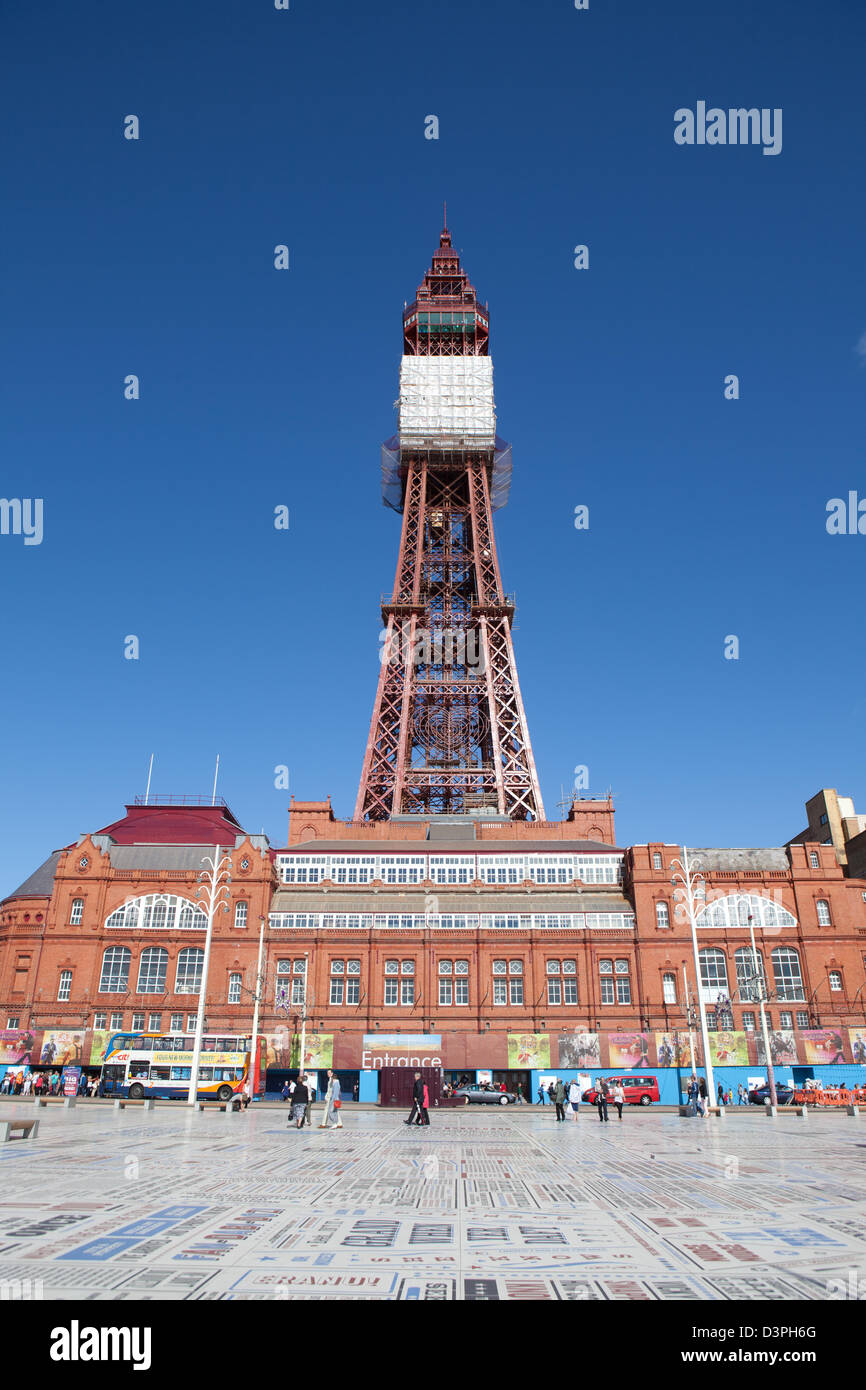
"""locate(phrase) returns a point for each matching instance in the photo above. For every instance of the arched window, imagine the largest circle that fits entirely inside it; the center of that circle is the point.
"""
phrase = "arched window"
(714, 973)
(823, 912)
(748, 965)
(151, 970)
(663, 916)
(115, 970)
(735, 909)
(158, 912)
(786, 973)
(657, 860)
(189, 968)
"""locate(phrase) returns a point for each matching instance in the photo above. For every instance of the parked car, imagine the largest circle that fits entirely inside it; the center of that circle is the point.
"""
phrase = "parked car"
(639, 1090)
(485, 1095)
(761, 1094)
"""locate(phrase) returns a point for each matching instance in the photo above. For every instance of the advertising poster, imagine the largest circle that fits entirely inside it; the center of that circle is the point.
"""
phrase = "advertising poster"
(277, 1049)
(17, 1045)
(729, 1049)
(69, 1078)
(628, 1050)
(674, 1050)
(579, 1050)
(783, 1048)
(318, 1051)
(528, 1051)
(98, 1043)
(823, 1046)
(62, 1048)
(857, 1039)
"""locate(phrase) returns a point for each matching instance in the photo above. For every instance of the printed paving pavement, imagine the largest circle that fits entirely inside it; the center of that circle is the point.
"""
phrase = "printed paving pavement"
(173, 1204)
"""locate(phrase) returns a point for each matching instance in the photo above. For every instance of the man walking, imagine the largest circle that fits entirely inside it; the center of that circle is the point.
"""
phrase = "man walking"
(559, 1099)
(704, 1101)
(333, 1103)
(601, 1098)
(417, 1101)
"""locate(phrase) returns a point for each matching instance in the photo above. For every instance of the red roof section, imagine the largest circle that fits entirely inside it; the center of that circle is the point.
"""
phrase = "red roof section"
(175, 825)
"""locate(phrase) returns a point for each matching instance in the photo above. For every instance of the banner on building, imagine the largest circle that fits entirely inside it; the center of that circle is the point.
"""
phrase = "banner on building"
(62, 1047)
(69, 1080)
(783, 1048)
(674, 1049)
(579, 1050)
(857, 1039)
(400, 1050)
(318, 1051)
(628, 1050)
(528, 1051)
(17, 1045)
(729, 1049)
(823, 1046)
(98, 1044)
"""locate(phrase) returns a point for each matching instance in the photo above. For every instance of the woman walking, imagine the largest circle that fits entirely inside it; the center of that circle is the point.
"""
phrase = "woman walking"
(299, 1104)
(619, 1097)
(333, 1103)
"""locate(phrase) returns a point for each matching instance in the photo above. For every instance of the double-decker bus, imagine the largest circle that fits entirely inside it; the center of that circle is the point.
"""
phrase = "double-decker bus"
(158, 1065)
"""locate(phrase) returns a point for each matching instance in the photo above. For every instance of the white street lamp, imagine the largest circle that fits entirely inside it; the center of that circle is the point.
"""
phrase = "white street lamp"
(215, 881)
(760, 987)
(258, 995)
(695, 890)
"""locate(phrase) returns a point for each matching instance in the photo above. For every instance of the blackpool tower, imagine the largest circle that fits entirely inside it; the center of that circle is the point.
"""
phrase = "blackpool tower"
(448, 734)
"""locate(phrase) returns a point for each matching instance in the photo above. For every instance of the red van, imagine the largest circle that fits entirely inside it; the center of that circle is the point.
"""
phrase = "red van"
(639, 1090)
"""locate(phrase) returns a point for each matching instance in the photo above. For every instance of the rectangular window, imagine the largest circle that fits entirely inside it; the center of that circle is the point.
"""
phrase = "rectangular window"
(461, 991)
(605, 967)
(407, 967)
(14, 1022)
(607, 995)
(65, 988)
(569, 991)
(77, 914)
(786, 1020)
(623, 992)
(98, 1020)
(240, 914)
(392, 967)
(554, 991)
(336, 992)
(154, 1023)
(515, 967)
(353, 991)
(669, 988)
(138, 1023)
(835, 981)
(553, 967)
(515, 990)
(407, 992)
(391, 991)
(116, 1022)
(500, 992)
(445, 992)
(191, 1020)
(823, 912)
(749, 1022)
(176, 1023)
(499, 967)
(234, 989)
(802, 1018)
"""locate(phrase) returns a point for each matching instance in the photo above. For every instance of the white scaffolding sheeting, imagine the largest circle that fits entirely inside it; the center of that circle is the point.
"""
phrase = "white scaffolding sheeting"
(447, 400)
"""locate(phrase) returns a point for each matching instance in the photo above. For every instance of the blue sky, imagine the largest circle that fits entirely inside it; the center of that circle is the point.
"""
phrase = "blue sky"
(260, 388)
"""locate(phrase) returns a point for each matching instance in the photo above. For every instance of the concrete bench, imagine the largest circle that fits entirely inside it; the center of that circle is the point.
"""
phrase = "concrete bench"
(27, 1128)
(135, 1104)
(40, 1102)
(852, 1109)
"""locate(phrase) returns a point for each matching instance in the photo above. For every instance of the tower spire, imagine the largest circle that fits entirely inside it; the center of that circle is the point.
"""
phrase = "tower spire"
(448, 733)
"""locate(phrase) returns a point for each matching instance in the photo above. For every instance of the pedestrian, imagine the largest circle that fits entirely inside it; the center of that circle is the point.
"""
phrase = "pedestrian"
(28, 1083)
(704, 1097)
(550, 1093)
(618, 1097)
(574, 1099)
(601, 1099)
(541, 1095)
(286, 1092)
(333, 1103)
(310, 1087)
(559, 1099)
(740, 1094)
(721, 1094)
(424, 1116)
(300, 1103)
(417, 1099)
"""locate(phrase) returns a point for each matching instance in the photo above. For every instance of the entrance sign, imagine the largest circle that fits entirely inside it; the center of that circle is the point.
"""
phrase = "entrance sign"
(401, 1050)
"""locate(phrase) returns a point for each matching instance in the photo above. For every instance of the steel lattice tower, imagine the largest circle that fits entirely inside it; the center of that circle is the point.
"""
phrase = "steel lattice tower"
(449, 732)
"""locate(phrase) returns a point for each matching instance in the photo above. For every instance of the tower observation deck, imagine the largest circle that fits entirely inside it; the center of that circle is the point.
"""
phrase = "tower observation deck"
(448, 734)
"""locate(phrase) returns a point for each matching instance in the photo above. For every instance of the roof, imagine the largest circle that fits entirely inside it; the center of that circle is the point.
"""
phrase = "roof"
(388, 847)
(754, 859)
(175, 825)
(155, 857)
(40, 884)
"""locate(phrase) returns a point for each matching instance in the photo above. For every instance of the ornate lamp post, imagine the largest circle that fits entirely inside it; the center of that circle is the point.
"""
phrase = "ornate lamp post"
(694, 890)
(215, 882)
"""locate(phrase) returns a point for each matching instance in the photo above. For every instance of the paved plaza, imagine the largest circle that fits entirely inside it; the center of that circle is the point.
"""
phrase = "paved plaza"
(170, 1204)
